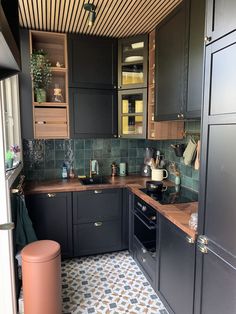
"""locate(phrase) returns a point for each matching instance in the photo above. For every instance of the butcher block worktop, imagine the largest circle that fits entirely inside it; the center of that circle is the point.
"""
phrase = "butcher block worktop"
(178, 214)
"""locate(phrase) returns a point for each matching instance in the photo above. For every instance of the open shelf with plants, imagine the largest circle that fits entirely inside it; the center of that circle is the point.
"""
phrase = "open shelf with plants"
(50, 84)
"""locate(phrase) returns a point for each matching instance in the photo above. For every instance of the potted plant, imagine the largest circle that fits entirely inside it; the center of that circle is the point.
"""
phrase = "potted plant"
(40, 69)
(9, 159)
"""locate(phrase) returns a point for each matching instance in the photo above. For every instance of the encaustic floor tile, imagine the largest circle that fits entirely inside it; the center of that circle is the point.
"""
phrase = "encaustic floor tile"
(107, 284)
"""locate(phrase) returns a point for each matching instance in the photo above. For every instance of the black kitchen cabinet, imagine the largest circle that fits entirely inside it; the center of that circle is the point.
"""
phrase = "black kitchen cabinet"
(132, 62)
(51, 215)
(125, 219)
(171, 55)
(97, 220)
(176, 269)
(25, 83)
(195, 59)
(216, 250)
(220, 18)
(179, 62)
(131, 222)
(93, 113)
(92, 62)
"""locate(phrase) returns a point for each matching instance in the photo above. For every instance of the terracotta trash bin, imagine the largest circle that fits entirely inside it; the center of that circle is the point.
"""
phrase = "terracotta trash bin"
(41, 276)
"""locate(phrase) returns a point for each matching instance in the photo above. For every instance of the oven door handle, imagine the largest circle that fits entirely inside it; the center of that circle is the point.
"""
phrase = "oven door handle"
(143, 221)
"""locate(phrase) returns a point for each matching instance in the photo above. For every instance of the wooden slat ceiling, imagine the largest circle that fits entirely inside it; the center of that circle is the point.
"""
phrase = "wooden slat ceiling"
(115, 18)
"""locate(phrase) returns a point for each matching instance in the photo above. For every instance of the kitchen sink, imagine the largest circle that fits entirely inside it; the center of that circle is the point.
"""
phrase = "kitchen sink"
(94, 180)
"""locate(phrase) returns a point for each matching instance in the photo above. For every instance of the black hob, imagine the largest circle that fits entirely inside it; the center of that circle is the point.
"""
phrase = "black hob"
(173, 195)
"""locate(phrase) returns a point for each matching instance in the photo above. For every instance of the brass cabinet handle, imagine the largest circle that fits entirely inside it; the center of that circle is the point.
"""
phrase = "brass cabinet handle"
(98, 224)
(190, 240)
(51, 194)
(202, 248)
(202, 239)
(97, 191)
(143, 260)
(207, 39)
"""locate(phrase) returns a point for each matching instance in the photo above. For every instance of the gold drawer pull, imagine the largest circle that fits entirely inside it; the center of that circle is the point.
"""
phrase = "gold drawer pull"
(98, 224)
(202, 248)
(51, 194)
(189, 240)
(97, 191)
(143, 260)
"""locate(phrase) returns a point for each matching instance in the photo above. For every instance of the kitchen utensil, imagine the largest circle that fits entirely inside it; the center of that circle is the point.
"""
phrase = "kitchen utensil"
(189, 152)
(145, 171)
(158, 174)
(179, 149)
(197, 160)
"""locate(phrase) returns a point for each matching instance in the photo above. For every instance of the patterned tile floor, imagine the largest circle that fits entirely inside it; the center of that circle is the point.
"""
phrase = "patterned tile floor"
(107, 284)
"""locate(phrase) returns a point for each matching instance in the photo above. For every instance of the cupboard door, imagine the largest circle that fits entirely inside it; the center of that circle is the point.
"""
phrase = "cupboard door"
(170, 65)
(132, 62)
(176, 268)
(97, 205)
(92, 62)
(97, 237)
(220, 19)
(93, 113)
(51, 215)
(195, 59)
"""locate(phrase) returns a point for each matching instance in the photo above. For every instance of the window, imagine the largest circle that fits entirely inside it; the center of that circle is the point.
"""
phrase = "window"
(10, 107)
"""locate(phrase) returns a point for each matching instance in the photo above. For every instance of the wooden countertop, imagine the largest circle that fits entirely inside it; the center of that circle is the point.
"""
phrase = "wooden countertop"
(178, 214)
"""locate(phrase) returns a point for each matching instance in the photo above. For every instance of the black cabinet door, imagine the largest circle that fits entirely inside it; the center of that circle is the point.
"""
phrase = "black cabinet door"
(220, 18)
(216, 254)
(195, 59)
(97, 205)
(97, 237)
(25, 84)
(125, 219)
(177, 267)
(171, 55)
(92, 62)
(93, 113)
(131, 222)
(51, 215)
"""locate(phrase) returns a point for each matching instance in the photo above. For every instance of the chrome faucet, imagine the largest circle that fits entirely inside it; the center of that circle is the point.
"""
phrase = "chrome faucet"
(93, 168)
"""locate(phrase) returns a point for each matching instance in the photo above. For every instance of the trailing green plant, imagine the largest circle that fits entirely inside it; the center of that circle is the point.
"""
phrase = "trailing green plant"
(40, 69)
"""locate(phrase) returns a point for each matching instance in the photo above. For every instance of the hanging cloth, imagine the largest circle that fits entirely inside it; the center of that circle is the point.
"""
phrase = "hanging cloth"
(24, 230)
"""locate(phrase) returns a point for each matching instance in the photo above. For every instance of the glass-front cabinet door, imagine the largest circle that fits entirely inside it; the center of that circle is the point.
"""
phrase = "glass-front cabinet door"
(132, 71)
(132, 113)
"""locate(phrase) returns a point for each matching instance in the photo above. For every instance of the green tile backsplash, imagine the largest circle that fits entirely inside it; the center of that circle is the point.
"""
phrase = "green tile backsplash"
(43, 159)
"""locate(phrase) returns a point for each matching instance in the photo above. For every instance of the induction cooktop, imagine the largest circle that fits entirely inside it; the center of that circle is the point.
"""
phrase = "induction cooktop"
(173, 195)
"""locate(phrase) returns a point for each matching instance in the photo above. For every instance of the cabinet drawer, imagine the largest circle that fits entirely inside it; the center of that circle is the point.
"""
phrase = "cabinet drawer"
(97, 237)
(145, 261)
(97, 205)
(50, 122)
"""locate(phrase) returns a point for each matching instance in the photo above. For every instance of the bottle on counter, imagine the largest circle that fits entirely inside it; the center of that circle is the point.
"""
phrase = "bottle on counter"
(64, 173)
(71, 173)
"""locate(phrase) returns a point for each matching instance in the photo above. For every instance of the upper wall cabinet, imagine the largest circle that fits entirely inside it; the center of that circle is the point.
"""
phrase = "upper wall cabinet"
(93, 113)
(220, 19)
(92, 62)
(179, 62)
(132, 62)
(9, 51)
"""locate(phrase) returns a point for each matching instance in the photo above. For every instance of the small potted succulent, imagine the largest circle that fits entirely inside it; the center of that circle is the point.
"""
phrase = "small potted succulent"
(40, 69)
(9, 159)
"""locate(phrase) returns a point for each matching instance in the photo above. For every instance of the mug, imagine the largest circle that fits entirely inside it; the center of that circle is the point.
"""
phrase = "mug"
(158, 174)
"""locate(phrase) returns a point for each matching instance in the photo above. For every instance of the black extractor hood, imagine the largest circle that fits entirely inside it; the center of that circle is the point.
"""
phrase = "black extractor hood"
(9, 52)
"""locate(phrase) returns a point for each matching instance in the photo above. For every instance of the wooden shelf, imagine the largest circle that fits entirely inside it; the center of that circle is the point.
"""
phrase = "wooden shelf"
(51, 119)
(50, 104)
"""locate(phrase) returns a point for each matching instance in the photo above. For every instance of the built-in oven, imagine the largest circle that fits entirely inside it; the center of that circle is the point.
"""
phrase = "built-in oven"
(145, 226)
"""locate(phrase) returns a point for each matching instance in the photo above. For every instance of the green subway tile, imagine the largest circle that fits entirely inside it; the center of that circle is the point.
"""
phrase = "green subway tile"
(79, 144)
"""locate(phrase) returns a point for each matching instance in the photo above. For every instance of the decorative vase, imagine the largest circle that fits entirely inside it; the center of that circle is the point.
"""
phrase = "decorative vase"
(41, 95)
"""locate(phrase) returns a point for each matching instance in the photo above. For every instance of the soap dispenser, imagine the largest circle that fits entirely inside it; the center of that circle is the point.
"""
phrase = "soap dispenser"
(64, 171)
